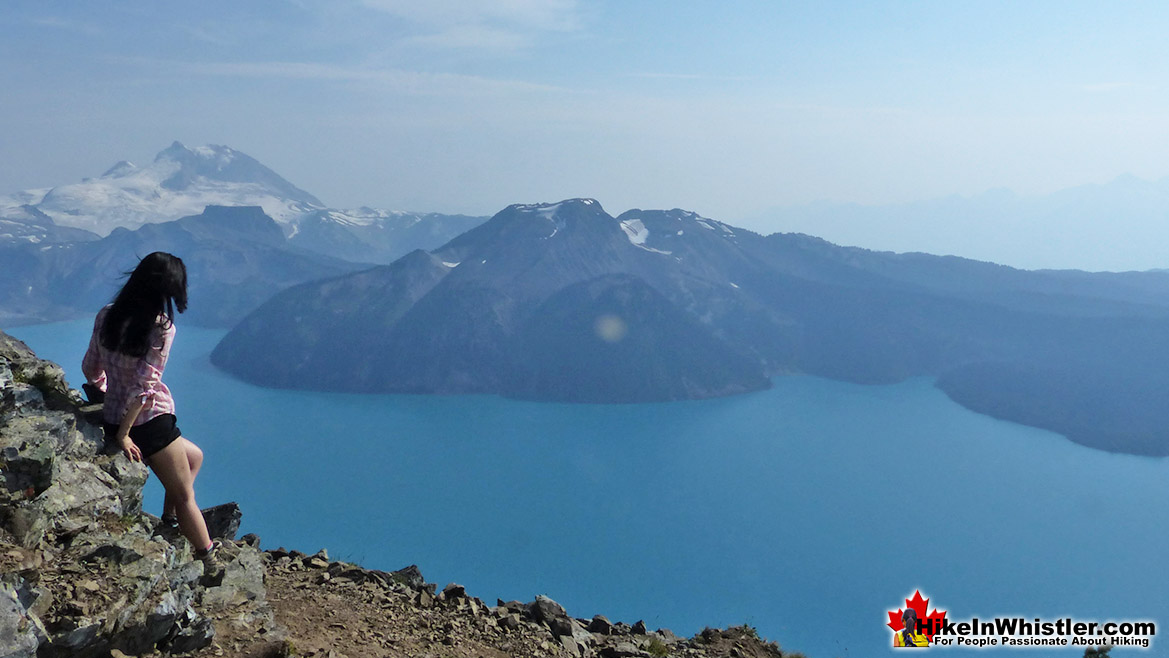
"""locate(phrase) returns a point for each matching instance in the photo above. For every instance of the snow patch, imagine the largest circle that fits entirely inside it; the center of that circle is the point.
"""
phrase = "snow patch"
(715, 226)
(453, 265)
(635, 230)
(547, 212)
(734, 285)
(637, 233)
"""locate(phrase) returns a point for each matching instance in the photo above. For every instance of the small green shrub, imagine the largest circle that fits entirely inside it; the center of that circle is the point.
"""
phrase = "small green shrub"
(657, 648)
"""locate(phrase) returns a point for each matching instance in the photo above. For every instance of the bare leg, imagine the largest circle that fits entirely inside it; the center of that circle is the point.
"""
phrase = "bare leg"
(173, 469)
(195, 460)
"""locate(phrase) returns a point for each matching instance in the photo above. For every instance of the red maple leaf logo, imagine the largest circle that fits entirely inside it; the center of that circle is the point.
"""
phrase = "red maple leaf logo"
(930, 623)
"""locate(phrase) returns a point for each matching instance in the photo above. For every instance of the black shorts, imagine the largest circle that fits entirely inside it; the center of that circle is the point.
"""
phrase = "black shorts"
(151, 436)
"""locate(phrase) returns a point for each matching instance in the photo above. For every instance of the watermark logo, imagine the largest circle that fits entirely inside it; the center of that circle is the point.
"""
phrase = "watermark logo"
(912, 626)
(917, 625)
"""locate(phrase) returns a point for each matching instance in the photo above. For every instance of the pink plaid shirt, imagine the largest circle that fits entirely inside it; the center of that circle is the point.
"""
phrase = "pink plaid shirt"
(125, 377)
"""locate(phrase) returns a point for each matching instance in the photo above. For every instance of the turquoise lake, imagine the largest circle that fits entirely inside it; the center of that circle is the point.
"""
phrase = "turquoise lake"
(807, 511)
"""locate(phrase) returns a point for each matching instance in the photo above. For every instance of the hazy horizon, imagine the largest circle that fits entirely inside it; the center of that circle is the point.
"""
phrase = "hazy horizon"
(731, 111)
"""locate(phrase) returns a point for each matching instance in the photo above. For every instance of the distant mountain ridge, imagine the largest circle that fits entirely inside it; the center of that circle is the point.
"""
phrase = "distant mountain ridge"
(566, 302)
(236, 258)
(1119, 225)
(181, 181)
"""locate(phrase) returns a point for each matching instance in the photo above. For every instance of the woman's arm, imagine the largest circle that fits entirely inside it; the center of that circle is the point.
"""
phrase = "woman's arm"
(91, 365)
(123, 437)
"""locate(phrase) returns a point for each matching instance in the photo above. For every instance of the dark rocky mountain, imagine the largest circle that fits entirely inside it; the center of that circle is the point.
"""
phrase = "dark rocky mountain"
(528, 305)
(236, 258)
(494, 311)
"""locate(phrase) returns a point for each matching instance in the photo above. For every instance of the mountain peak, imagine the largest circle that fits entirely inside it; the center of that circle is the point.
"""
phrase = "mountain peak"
(216, 163)
(120, 168)
(179, 182)
(550, 210)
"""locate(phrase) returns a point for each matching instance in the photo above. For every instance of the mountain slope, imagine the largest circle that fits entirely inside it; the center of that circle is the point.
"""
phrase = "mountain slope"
(479, 310)
(521, 305)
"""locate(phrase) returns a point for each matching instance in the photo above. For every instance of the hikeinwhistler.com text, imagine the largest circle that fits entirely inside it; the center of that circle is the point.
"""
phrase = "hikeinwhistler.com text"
(1006, 632)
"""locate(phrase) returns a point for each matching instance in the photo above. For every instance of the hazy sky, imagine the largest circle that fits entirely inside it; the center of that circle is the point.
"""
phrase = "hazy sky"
(726, 108)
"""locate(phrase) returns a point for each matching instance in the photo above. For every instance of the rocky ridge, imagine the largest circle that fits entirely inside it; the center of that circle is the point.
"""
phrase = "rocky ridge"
(85, 572)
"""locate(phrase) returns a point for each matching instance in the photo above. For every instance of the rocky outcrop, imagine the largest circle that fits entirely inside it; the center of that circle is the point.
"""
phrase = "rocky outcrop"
(343, 610)
(82, 569)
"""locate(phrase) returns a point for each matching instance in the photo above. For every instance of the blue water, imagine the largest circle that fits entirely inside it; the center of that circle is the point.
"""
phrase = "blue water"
(807, 511)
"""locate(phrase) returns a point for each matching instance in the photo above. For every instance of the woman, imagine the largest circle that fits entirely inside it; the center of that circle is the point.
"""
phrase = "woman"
(127, 353)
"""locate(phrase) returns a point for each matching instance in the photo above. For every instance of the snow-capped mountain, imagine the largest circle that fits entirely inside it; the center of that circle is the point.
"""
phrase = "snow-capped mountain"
(181, 181)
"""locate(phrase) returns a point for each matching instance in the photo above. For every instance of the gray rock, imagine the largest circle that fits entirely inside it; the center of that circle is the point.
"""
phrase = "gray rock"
(512, 606)
(453, 591)
(76, 638)
(80, 491)
(223, 520)
(560, 626)
(27, 460)
(668, 636)
(570, 645)
(18, 638)
(410, 576)
(621, 650)
(544, 609)
(639, 628)
(600, 625)
(130, 478)
(424, 599)
(582, 636)
(189, 637)
(243, 581)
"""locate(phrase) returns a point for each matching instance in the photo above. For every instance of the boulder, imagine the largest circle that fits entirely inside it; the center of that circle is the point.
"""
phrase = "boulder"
(600, 625)
(621, 650)
(409, 576)
(17, 632)
(223, 520)
(544, 609)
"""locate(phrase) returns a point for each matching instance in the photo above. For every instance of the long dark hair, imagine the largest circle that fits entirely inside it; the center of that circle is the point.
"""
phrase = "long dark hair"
(155, 288)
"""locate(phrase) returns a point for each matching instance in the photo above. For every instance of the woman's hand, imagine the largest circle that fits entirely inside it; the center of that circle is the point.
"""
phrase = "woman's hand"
(132, 410)
(130, 450)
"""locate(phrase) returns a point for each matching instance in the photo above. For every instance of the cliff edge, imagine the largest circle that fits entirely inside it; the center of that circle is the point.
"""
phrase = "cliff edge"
(85, 573)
